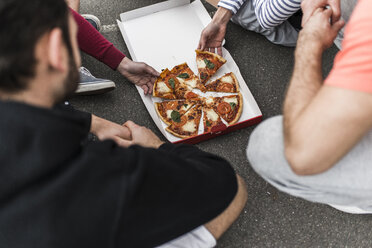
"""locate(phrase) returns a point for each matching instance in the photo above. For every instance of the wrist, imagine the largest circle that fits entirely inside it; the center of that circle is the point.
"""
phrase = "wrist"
(95, 124)
(123, 66)
(222, 16)
(307, 44)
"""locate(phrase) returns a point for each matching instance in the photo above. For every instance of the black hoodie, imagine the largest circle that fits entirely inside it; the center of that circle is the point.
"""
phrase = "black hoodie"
(57, 189)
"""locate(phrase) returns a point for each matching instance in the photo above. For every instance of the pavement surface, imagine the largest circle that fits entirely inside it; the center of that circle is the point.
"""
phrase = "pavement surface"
(270, 218)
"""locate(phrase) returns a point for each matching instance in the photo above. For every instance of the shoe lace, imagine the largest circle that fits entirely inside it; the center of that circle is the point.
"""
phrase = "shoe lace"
(85, 71)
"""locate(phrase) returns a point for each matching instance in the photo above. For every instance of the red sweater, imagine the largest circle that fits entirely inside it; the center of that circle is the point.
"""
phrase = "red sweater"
(94, 44)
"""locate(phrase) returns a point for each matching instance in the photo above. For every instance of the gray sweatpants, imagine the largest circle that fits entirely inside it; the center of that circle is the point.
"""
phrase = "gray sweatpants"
(284, 34)
(347, 183)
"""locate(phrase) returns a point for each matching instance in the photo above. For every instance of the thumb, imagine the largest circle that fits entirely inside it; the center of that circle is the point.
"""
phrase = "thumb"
(131, 125)
(338, 25)
(202, 42)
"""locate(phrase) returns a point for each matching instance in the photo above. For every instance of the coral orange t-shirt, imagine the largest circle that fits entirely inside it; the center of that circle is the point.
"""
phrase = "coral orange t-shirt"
(353, 64)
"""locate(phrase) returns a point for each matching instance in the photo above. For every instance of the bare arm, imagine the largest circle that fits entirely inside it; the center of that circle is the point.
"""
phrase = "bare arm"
(321, 123)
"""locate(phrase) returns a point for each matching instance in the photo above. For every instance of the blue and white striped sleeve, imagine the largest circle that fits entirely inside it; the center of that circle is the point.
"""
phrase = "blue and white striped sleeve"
(271, 13)
(232, 5)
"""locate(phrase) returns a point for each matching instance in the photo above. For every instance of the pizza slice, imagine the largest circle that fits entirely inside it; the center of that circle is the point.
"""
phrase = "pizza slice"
(208, 64)
(182, 91)
(227, 83)
(228, 107)
(210, 119)
(185, 75)
(171, 110)
(187, 125)
(164, 86)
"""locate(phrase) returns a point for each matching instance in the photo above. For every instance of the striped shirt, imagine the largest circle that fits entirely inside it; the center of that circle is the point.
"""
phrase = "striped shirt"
(269, 13)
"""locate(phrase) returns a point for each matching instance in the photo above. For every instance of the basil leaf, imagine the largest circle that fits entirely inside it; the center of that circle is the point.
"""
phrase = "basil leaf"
(176, 117)
(208, 123)
(172, 83)
(184, 75)
(203, 75)
(209, 64)
(233, 105)
(185, 105)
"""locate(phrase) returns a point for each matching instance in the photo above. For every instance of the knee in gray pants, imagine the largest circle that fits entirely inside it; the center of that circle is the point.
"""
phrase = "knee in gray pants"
(265, 149)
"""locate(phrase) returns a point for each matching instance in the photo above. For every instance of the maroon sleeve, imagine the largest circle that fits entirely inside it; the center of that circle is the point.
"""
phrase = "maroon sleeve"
(94, 44)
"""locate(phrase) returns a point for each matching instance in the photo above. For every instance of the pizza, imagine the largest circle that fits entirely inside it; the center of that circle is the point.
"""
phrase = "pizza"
(164, 85)
(210, 119)
(227, 83)
(183, 110)
(171, 110)
(185, 75)
(208, 64)
(228, 108)
(187, 125)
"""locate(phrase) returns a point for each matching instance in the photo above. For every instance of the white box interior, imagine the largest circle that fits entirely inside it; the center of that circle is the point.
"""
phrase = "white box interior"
(165, 35)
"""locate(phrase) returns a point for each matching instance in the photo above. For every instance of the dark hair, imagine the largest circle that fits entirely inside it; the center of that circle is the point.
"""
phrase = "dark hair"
(23, 23)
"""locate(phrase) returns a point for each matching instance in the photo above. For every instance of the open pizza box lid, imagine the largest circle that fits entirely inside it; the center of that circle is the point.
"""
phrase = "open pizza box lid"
(165, 35)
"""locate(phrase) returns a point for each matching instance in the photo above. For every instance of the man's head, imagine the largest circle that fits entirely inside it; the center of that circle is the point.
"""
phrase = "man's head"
(38, 49)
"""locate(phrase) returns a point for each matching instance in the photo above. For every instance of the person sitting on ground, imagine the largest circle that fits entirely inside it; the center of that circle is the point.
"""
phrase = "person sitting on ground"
(320, 150)
(267, 17)
(93, 43)
(58, 189)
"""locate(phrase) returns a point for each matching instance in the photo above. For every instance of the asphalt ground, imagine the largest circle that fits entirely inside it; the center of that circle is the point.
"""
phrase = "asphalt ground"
(270, 218)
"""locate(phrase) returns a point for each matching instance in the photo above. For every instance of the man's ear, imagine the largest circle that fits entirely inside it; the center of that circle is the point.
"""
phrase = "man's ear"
(57, 57)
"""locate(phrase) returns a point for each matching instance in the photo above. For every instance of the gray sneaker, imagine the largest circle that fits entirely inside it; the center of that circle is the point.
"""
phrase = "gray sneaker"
(90, 85)
(93, 20)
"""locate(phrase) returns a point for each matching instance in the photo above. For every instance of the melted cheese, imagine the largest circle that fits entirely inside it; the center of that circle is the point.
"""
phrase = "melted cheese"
(169, 113)
(192, 83)
(183, 108)
(201, 63)
(163, 88)
(189, 127)
(233, 99)
(211, 115)
(227, 79)
(209, 100)
(181, 79)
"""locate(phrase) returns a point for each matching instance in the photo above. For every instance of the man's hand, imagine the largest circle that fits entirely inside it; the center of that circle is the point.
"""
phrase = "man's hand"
(140, 74)
(318, 31)
(141, 136)
(105, 129)
(309, 7)
(212, 36)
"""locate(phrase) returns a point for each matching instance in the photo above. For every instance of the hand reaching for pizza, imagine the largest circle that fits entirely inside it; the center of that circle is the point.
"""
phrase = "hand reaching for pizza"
(140, 74)
(141, 136)
(212, 36)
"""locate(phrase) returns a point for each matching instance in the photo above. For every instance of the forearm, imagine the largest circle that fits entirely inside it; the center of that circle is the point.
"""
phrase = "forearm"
(222, 16)
(305, 83)
(94, 44)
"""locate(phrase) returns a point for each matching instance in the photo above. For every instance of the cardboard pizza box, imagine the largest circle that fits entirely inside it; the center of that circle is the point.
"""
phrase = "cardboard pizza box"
(165, 35)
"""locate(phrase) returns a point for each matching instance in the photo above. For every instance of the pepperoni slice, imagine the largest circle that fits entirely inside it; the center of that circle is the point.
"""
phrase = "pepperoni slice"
(190, 95)
(223, 108)
(225, 87)
(181, 123)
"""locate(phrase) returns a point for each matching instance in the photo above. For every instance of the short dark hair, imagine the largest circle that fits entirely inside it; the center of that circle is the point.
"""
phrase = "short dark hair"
(23, 23)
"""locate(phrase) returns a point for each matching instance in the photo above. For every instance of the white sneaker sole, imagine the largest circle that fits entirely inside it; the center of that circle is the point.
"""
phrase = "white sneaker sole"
(95, 88)
(349, 209)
